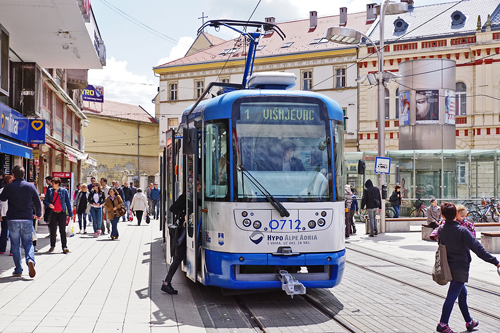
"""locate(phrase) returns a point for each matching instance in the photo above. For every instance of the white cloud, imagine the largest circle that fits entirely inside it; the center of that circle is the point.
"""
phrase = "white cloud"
(178, 51)
(124, 86)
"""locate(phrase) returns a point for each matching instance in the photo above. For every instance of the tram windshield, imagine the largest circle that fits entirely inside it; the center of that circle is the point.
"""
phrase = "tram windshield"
(284, 146)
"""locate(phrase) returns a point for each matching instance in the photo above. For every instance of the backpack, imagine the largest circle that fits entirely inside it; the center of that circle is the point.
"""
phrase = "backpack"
(393, 199)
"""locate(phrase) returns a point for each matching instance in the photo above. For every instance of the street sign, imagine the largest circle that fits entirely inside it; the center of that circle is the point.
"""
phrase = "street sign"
(383, 165)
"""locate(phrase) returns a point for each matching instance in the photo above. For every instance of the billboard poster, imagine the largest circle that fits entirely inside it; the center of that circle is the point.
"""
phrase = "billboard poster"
(93, 94)
(427, 106)
(449, 107)
(404, 108)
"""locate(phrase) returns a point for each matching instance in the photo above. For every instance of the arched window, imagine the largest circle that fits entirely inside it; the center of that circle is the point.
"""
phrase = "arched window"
(461, 99)
(386, 102)
(396, 99)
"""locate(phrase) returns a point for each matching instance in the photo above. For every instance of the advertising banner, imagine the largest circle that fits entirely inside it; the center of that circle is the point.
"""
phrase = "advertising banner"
(449, 107)
(93, 94)
(13, 124)
(404, 108)
(427, 106)
(36, 131)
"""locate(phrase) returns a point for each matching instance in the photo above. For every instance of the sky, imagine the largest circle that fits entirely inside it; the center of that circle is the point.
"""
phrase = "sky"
(140, 35)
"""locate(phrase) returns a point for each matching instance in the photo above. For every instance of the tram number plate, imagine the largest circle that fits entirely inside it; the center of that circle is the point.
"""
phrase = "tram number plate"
(285, 225)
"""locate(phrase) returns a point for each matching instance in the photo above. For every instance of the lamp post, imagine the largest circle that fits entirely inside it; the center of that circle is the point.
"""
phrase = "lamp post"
(352, 36)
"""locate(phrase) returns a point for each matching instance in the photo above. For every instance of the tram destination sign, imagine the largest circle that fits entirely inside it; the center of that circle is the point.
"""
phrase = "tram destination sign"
(280, 113)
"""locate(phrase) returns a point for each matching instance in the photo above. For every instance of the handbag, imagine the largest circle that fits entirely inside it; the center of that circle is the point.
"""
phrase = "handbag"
(121, 211)
(148, 219)
(441, 272)
(49, 211)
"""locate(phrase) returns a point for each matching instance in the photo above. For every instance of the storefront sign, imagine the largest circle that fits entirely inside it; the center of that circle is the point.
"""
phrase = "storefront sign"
(93, 94)
(13, 124)
(36, 154)
(36, 133)
(61, 174)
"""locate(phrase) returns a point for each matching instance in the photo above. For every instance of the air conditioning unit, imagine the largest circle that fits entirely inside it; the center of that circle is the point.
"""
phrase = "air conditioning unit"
(25, 87)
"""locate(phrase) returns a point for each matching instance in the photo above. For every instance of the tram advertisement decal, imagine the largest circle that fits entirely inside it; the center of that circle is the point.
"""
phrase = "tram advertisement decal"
(427, 106)
(404, 108)
(280, 113)
(449, 107)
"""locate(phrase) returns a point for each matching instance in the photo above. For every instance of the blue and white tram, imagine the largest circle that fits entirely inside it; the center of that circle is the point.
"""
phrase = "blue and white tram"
(270, 164)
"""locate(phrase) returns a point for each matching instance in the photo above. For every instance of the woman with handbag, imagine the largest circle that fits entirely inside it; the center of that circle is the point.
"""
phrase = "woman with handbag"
(58, 200)
(96, 200)
(115, 209)
(139, 205)
(459, 241)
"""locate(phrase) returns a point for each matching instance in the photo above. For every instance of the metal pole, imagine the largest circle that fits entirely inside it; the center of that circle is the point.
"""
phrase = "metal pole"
(381, 109)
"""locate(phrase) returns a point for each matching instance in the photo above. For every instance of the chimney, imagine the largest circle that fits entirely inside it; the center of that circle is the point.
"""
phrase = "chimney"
(270, 20)
(343, 16)
(371, 14)
(313, 20)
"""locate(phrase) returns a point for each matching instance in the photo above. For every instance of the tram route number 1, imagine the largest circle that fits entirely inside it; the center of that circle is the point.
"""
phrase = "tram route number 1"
(275, 224)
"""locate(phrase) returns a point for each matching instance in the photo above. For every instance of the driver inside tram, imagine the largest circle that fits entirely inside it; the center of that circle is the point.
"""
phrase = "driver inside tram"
(288, 162)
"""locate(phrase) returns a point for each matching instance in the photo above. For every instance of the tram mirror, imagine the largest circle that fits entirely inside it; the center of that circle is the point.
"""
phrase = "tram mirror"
(189, 141)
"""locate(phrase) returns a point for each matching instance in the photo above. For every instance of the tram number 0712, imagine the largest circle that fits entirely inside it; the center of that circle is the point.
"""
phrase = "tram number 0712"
(284, 224)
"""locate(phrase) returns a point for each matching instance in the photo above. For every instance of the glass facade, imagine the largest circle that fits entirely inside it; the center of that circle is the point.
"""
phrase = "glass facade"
(452, 175)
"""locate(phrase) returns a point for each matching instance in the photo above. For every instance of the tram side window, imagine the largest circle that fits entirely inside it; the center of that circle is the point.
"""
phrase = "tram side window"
(217, 162)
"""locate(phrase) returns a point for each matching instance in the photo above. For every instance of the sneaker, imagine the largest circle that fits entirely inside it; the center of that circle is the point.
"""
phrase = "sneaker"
(470, 326)
(17, 274)
(2, 252)
(96, 234)
(444, 329)
(376, 232)
(31, 267)
(65, 250)
(169, 289)
(85, 231)
(51, 249)
(36, 249)
(10, 254)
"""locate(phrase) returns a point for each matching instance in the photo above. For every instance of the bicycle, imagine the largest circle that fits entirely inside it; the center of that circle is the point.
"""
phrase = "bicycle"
(389, 213)
(490, 209)
(419, 209)
(471, 206)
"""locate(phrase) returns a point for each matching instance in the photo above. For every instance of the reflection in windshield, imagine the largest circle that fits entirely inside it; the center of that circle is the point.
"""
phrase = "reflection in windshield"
(289, 158)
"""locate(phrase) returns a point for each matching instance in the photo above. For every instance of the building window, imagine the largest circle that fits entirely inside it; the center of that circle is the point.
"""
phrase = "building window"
(173, 91)
(461, 99)
(461, 173)
(224, 80)
(76, 133)
(386, 104)
(307, 80)
(344, 111)
(340, 78)
(4, 61)
(199, 88)
(397, 103)
(173, 122)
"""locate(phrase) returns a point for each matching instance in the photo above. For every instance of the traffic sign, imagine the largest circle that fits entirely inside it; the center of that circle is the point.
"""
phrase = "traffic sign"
(383, 165)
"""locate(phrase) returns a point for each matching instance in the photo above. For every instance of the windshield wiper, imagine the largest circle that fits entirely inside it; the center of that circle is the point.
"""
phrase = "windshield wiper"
(276, 204)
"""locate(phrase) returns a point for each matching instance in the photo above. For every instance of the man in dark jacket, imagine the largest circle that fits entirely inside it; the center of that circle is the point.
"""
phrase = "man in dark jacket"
(23, 201)
(127, 199)
(373, 202)
(289, 163)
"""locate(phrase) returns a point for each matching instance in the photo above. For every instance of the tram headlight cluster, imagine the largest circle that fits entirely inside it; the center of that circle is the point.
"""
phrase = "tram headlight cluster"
(321, 222)
(247, 222)
(257, 224)
(311, 224)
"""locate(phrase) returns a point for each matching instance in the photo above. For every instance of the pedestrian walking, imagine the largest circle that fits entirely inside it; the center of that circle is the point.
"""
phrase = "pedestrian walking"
(148, 195)
(112, 204)
(48, 211)
(433, 214)
(4, 236)
(139, 205)
(82, 207)
(348, 204)
(395, 200)
(34, 237)
(354, 208)
(128, 195)
(459, 241)
(96, 200)
(105, 223)
(155, 200)
(89, 188)
(373, 202)
(23, 200)
(58, 200)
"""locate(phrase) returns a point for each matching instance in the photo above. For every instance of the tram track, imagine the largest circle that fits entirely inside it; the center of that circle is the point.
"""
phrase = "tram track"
(426, 290)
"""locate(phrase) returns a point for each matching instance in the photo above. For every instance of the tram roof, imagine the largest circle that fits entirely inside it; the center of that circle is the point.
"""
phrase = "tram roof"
(216, 108)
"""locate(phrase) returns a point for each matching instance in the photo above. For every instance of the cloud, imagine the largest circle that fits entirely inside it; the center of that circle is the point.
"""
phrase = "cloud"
(121, 85)
(178, 51)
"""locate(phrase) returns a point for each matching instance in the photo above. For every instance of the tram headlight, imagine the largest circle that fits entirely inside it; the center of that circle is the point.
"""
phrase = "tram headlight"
(247, 222)
(311, 224)
(321, 222)
(244, 213)
(257, 224)
(323, 213)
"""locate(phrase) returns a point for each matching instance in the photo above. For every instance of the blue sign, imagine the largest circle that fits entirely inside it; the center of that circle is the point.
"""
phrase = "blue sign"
(13, 148)
(36, 133)
(382, 165)
(92, 94)
(221, 238)
(13, 124)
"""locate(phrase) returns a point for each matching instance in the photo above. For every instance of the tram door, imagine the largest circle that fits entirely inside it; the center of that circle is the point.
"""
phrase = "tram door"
(170, 194)
(192, 164)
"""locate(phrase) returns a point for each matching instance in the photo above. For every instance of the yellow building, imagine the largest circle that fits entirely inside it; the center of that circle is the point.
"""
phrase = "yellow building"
(123, 139)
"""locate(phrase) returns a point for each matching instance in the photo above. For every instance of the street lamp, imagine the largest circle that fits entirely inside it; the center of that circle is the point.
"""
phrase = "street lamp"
(352, 36)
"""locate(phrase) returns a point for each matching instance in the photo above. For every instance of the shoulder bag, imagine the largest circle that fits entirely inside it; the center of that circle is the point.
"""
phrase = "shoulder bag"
(441, 272)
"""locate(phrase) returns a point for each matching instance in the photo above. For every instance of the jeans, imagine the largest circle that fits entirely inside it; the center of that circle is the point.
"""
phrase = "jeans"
(456, 289)
(348, 221)
(96, 214)
(114, 226)
(396, 209)
(138, 213)
(58, 219)
(20, 233)
(82, 221)
(127, 206)
(179, 255)
(156, 209)
(4, 235)
(372, 212)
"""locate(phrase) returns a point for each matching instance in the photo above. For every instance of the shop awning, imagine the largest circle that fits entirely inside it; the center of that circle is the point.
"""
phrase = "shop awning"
(14, 148)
